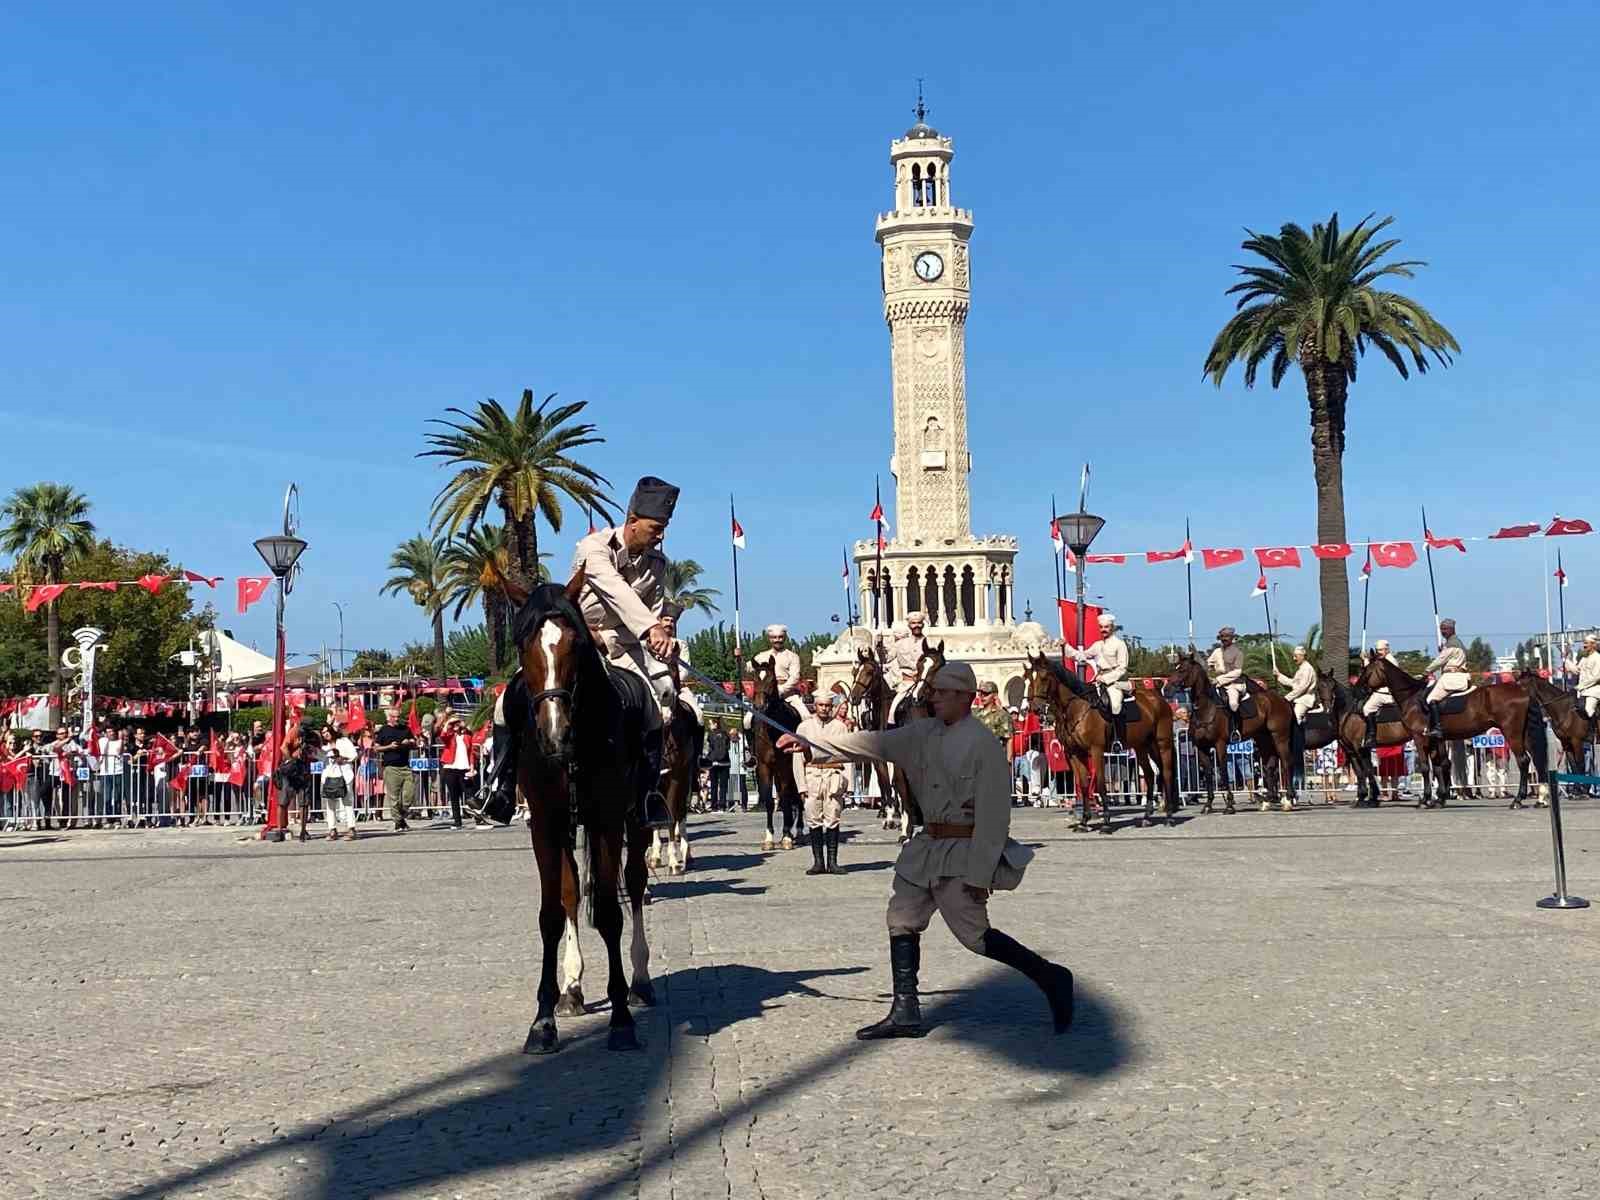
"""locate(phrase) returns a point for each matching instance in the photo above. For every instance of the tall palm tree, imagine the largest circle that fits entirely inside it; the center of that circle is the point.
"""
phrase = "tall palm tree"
(521, 461)
(1315, 304)
(46, 526)
(465, 560)
(418, 564)
(679, 585)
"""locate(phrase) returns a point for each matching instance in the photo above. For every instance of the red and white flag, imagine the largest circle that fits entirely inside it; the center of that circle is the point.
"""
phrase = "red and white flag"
(1071, 561)
(252, 588)
(1185, 552)
(1113, 559)
(1393, 554)
(87, 586)
(1439, 543)
(1277, 556)
(1331, 549)
(1261, 586)
(1514, 531)
(38, 597)
(1221, 558)
(738, 533)
(846, 575)
(152, 583)
(1561, 527)
(210, 581)
(355, 716)
(162, 749)
(1056, 539)
(1366, 567)
(1561, 577)
(877, 511)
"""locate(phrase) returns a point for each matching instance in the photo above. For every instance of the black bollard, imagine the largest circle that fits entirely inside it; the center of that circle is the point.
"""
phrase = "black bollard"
(1561, 899)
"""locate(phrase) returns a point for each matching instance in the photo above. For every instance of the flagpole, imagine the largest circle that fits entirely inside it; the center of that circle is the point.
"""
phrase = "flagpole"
(1272, 641)
(1055, 530)
(849, 608)
(1366, 595)
(1561, 600)
(877, 548)
(1549, 647)
(1188, 576)
(1427, 549)
(738, 639)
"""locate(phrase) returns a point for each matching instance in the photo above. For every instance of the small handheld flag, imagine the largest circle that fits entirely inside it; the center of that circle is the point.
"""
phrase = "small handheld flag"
(1260, 588)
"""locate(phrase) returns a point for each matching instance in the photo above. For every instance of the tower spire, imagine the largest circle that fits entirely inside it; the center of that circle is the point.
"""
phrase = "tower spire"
(921, 109)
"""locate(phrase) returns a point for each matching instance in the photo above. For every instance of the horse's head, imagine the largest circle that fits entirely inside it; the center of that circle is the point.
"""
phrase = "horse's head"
(764, 680)
(551, 641)
(1038, 684)
(928, 663)
(1327, 691)
(1373, 676)
(1187, 673)
(868, 671)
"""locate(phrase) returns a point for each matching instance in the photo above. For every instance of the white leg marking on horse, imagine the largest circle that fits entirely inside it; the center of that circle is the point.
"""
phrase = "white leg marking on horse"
(572, 957)
(640, 948)
(654, 857)
(682, 846)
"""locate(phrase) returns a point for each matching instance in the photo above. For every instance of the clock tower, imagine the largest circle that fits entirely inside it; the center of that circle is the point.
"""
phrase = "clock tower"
(933, 563)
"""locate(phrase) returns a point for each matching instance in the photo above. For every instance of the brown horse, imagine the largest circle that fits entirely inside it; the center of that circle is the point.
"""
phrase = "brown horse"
(1350, 730)
(680, 768)
(1086, 733)
(1503, 706)
(774, 770)
(869, 699)
(1565, 716)
(580, 763)
(1270, 728)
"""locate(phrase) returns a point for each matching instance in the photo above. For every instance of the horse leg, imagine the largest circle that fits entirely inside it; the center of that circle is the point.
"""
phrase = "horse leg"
(789, 801)
(1287, 767)
(571, 981)
(764, 785)
(1206, 761)
(680, 837)
(542, 1037)
(655, 848)
(640, 990)
(607, 852)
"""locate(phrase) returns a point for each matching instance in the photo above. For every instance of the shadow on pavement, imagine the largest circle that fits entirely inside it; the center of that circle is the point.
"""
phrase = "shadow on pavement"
(677, 887)
(509, 1110)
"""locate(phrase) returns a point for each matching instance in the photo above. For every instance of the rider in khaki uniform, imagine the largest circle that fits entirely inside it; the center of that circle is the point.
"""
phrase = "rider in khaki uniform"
(785, 665)
(958, 773)
(904, 650)
(1226, 665)
(1379, 698)
(624, 572)
(1109, 658)
(824, 786)
(1302, 684)
(1587, 668)
(1452, 678)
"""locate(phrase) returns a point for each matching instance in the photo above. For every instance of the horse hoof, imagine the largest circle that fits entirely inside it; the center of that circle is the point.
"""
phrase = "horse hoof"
(642, 994)
(788, 842)
(1286, 805)
(541, 1039)
(1266, 807)
(571, 1003)
(766, 842)
(622, 1037)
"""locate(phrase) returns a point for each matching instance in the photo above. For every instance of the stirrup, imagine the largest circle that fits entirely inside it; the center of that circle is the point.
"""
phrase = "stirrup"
(654, 801)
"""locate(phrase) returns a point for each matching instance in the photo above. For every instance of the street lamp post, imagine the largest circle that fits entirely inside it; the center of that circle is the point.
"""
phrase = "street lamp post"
(1079, 530)
(280, 552)
(340, 609)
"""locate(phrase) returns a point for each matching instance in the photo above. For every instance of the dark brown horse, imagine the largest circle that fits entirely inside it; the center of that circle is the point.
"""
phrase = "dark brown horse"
(1566, 717)
(1350, 730)
(580, 763)
(774, 770)
(1503, 706)
(1086, 733)
(680, 768)
(1270, 728)
(869, 699)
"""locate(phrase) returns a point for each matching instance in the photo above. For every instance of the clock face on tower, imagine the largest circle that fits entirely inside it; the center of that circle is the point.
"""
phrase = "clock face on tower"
(929, 266)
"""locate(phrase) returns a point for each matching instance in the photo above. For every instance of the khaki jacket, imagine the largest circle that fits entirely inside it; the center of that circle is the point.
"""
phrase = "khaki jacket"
(1226, 664)
(904, 652)
(786, 665)
(958, 774)
(1452, 658)
(1109, 656)
(1587, 670)
(1302, 683)
(621, 593)
(816, 765)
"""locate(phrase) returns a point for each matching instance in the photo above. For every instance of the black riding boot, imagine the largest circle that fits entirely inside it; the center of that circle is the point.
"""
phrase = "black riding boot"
(905, 1013)
(497, 801)
(1433, 721)
(653, 812)
(1054, 980)
(1119, 722)
(830, 842)
(817, 867)
(1370, 742)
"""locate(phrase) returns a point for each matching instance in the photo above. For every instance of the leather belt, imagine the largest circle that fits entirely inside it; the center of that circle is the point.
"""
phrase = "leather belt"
(938, 829)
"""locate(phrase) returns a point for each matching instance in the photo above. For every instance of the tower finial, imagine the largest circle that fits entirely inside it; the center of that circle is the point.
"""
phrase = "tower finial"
(922, 109)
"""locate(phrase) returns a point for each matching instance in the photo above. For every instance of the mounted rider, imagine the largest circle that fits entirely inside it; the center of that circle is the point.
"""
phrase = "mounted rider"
(785, 662)
(1302, 685)
(1587, 668)
(670, 612)
(624, 576)
(1109, 657)
(1452, 676)
(903, 651)
(1381, 697)
(825, 785)
(1225, 664)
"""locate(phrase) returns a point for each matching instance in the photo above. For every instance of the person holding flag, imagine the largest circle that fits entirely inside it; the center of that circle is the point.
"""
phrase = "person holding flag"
(1587, 668)
(1226, 665)
(1109, 658)
(1379, 699)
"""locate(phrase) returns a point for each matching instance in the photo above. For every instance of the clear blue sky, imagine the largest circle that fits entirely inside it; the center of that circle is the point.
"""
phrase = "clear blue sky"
(248, 244)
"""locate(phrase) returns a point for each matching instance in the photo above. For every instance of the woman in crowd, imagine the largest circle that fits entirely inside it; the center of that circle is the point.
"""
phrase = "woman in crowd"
(455, 760)
(339, 756)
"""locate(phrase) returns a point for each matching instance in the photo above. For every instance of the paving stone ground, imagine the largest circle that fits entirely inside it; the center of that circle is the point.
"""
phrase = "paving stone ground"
(1328, 1003)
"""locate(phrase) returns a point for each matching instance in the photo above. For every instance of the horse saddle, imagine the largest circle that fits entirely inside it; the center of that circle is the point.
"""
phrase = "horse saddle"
(633, 694)
(1451, 705)
(1247, 703)
(1131, 713)
(1389, 714)
(1317, 723)
(901, 712)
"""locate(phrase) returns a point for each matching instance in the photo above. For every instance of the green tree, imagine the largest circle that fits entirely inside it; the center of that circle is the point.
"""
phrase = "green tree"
(45, 527)
(1315, 304)
(467, 651)
(683, 574)
(466, 559)
(373, 662)
(521, 461)
(418, 564)
(1480, 655)
(711, 652)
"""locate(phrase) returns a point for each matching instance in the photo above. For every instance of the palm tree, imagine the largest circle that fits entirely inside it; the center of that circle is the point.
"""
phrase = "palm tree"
(521, 461)
(679, 585)
(47, 526)
(419, 566)
(1315, 304)
(465, 561)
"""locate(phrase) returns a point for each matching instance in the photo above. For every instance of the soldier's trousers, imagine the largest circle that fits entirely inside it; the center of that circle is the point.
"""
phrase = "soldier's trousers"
(911, 908)
(824, 797)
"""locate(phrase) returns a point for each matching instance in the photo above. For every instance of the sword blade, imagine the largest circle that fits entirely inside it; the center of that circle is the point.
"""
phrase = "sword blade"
(751, 709)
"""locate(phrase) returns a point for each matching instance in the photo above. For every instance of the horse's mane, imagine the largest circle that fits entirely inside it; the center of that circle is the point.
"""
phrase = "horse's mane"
(1543, 689)
(592, 685)
(1067, 679)
(1391, 671)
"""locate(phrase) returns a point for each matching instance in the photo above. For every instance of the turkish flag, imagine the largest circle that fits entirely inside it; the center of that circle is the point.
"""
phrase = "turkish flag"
(86, 586)
(355, 717)
(252, 588)
(1439, 543)
(1056, 539)
(1159, 556)
(1115, 559)
(413, 723)
(1069, 623)
(877, 512)
(64, 768)
(152, 583)
(219, 760)
(1561, 527)
(38, 597)
(1277, 556)
(1221, 558)
(1331, 549)
(180, 781)
(210, 581)
(162, 749)
(1516, 531)
(1394, 554)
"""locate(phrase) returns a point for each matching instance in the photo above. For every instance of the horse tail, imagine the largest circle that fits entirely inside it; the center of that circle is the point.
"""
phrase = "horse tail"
(1534, 737)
